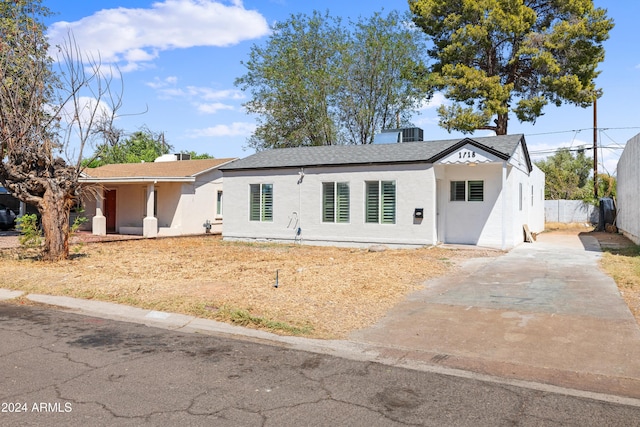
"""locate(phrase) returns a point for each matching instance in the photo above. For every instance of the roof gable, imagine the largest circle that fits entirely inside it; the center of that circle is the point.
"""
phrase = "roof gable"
(468, 153)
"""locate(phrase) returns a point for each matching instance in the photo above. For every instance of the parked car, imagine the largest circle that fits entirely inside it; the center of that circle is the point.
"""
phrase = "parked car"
(7, 218)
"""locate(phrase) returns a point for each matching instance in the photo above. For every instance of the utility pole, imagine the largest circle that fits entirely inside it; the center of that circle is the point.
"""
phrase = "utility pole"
(595, 146)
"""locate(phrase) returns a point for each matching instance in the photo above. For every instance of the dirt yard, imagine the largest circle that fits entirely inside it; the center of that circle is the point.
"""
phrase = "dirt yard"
(322, 292)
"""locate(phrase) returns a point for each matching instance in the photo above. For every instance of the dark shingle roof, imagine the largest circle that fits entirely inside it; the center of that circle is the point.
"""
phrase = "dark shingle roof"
(406, 152)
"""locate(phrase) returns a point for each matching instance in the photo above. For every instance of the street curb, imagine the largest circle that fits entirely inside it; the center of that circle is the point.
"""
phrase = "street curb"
(9, 294)
(351, 350)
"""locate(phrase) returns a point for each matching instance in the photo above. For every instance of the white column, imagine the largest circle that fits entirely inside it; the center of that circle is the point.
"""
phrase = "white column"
(23, 208)
(99, 223)
(150, 222)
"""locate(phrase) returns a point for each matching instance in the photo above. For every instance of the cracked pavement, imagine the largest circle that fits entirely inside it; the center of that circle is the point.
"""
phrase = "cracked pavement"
(76, 370)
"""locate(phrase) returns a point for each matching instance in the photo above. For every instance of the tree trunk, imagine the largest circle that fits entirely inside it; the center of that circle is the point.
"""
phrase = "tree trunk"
(55, 208)
(501, 124)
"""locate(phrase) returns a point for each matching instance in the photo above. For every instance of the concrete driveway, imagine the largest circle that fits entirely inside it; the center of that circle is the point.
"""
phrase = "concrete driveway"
(542, 312)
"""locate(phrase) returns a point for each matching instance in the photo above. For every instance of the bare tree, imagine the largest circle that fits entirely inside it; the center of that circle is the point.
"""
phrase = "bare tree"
(49, 112)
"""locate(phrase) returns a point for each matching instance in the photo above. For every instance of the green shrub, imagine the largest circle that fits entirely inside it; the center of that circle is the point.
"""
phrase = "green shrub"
(30, 233)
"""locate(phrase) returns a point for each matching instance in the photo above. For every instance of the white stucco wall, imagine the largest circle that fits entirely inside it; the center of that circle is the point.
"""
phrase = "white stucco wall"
(496, 221)
(536, 218)
(183, 208)
(628, 185)
(472, 222)
(198, 204)
(300, 206)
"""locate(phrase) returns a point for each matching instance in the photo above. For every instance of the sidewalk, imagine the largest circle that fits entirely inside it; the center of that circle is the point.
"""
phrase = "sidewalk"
(540, 316)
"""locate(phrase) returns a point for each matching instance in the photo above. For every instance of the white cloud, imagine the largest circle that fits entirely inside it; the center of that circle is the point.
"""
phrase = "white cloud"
(132, 36)
(210, 94)
(206, 100)
(158, 83)
(235, 129)
(88, 109)
(437, 100)
(214, 107)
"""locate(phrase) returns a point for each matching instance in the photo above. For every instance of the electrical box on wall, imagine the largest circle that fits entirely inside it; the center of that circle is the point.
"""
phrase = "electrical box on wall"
(418, 213)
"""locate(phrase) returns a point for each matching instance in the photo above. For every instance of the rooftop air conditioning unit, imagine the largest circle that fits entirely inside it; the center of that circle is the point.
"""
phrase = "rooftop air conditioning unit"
(401, 135)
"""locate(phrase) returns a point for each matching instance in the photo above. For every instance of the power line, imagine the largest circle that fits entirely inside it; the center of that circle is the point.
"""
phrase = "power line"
(580, 130)
(553, 150)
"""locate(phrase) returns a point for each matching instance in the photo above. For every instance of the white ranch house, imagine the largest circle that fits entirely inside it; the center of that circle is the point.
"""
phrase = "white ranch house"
(475, 191)
(167, 198)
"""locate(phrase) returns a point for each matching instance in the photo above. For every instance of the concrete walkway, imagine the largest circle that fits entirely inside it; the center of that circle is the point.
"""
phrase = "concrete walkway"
(541, 316)
(542, 312)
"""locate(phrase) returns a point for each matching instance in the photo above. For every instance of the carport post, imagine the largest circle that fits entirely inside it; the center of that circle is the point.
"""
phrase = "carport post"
(99, 222)
(150, 222)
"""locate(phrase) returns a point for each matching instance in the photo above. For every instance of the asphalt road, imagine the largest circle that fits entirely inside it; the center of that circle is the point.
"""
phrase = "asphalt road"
(59, 368)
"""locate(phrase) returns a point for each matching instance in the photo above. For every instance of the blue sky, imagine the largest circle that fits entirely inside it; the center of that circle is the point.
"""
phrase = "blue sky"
(179, 60)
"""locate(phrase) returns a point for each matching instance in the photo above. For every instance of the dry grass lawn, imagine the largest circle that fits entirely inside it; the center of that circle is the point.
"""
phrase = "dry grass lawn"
(621, 261)
(323, 292)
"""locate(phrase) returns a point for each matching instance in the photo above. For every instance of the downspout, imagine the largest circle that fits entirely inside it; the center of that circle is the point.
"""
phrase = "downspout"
(298, 231)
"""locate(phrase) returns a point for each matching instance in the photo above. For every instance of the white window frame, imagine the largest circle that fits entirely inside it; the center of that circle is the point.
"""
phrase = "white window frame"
(219, 196)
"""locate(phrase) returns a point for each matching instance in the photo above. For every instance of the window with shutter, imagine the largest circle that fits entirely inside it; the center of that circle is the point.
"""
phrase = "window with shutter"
(267, 202)
(372, 204)
(261, 202)
(328, 202)
(335, 202)
(476, 191)
(457, 191)
(388, 202)
(380, 205)
(342, 202)
(254, 202)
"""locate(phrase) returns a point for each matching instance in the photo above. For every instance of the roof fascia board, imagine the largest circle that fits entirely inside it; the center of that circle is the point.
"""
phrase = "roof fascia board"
(328, 165)
(150, 180)
(212, 168)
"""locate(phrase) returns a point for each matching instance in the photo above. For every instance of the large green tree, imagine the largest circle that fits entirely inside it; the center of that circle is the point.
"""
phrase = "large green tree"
(567, 175)
(41, 112)
(383, 70)
(493, 58)
(316, 81)
(293, 81)
(142, 146)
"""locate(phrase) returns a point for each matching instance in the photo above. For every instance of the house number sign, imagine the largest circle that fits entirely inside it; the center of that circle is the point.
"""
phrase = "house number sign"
(466, 155)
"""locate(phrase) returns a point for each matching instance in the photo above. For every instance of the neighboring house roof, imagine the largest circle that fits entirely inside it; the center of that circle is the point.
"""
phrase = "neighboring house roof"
(406, 152)
(183, 170)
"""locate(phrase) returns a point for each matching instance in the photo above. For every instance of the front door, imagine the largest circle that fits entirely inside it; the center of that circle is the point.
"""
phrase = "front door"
(110, 210)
